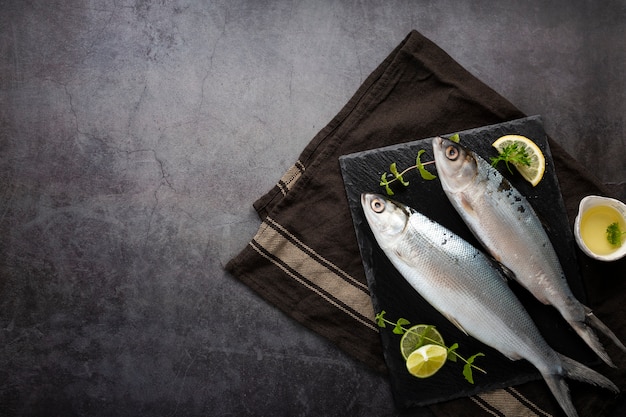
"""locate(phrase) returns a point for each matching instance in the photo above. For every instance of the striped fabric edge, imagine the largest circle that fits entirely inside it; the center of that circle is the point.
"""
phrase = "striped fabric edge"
(290, 177)
(317, 256)
(508, 402)
(307, 267)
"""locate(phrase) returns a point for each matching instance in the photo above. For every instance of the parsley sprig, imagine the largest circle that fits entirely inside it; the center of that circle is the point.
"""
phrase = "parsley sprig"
(512, 153)
(399, 328)
(614, 234)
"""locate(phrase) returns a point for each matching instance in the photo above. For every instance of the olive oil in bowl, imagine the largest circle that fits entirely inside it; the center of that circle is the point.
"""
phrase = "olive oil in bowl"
(595, 215)
(593, 226)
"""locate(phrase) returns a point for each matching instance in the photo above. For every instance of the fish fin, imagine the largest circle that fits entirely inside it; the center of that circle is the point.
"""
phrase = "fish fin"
(579, 372)
(560, 390)
(588, 335)
(457, 324)
(576, 371)
(402, 256)
(467, 205)
(506, 274)
(595, 322)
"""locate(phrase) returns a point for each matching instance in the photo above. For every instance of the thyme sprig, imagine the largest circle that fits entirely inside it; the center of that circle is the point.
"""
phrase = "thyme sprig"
(387, 179)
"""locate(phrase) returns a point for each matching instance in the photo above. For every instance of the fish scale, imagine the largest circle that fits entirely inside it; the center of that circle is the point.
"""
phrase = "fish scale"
(465, 286)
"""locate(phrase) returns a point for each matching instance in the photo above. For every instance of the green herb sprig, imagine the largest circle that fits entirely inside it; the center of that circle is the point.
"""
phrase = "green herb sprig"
(399, 328)
(614, 234)
(387, 179)
(512, 153)
(398, 176)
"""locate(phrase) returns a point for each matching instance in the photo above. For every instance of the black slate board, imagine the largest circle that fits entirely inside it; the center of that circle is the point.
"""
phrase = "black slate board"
(390, 292)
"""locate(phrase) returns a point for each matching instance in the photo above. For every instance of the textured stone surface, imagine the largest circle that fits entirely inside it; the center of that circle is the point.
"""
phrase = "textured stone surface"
(134, 136)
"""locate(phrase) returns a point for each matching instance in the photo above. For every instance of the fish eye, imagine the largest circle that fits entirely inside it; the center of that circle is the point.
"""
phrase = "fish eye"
(452, 153)
(377, 205)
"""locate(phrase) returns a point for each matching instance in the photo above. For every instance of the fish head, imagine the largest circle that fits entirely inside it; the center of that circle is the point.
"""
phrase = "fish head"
(456, 166)
(387, 219)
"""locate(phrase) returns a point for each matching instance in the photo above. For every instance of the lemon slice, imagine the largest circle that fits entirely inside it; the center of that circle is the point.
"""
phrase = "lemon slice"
(412, 339)
(426, 361)
(533, 172)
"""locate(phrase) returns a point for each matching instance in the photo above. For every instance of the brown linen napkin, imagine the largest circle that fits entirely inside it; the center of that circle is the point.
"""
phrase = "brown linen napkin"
(305, 259)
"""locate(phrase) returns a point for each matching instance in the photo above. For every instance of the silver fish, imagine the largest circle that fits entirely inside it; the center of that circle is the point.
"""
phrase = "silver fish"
(507, 226)
(463, 284)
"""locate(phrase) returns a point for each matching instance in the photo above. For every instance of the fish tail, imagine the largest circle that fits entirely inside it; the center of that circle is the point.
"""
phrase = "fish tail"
(560, 390)
(579, 372)
(589, 336)
(594, 321)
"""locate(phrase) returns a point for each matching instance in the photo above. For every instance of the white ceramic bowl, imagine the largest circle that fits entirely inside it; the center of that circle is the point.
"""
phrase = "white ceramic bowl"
(588, 203)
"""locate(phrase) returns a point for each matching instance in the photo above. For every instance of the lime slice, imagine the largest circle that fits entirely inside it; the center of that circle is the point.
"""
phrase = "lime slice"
(426, 361)
(412, 339)
(533, 172)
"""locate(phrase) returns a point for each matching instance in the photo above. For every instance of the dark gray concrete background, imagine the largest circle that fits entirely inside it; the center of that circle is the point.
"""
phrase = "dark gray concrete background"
(134, 137)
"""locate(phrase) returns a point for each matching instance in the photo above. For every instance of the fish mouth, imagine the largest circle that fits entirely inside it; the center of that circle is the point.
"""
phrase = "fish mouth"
(438, 153)
(438, 144)
(364, 198)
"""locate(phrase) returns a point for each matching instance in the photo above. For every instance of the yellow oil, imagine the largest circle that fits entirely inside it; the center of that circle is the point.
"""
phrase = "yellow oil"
(593, 226)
